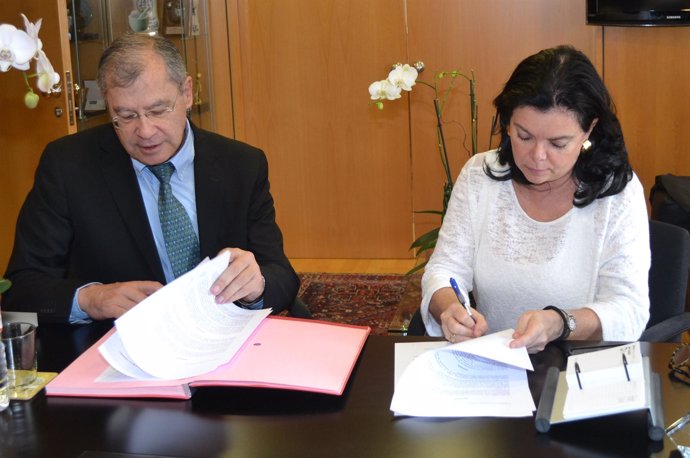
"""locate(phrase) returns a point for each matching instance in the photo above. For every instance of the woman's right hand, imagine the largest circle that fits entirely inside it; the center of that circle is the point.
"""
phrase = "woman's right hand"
(457, 325)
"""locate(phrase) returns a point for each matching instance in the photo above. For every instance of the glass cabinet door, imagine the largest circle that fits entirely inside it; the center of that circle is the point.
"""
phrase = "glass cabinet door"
(94, 24)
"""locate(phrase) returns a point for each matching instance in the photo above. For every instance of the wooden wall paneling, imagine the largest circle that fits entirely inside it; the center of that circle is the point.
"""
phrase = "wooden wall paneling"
(490, 37)
(233, 10)
(340, 169)
(219, 87)
(647, 70)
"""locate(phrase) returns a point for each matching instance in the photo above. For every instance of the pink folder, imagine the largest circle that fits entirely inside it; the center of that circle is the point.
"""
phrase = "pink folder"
(284, 353)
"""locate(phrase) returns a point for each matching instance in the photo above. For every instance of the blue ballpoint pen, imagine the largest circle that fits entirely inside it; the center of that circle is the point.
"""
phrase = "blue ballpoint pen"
(454, 285)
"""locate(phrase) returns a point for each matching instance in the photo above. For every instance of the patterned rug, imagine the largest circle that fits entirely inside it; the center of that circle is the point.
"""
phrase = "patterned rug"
(383, 302)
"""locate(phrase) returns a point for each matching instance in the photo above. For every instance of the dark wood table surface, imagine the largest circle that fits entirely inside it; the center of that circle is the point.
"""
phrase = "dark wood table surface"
(241, 422)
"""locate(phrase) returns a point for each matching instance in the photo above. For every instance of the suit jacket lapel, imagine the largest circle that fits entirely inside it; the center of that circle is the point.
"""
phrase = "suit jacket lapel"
(120, 177)
(208, 183)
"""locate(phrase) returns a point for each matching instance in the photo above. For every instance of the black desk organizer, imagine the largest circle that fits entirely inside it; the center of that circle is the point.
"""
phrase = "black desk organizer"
(550, 410)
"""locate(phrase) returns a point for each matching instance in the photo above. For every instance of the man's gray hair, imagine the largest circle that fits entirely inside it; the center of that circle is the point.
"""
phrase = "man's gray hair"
(122, 62)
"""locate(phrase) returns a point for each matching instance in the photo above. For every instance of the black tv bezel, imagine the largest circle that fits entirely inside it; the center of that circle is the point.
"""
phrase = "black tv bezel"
(646, 18)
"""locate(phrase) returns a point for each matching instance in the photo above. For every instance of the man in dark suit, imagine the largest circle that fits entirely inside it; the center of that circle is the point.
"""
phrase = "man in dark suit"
(90, 243)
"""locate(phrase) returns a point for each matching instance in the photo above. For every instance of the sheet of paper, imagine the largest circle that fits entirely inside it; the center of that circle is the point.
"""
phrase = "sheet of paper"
(495, 347)
(179, 331)
(449, 381)
(405, 353)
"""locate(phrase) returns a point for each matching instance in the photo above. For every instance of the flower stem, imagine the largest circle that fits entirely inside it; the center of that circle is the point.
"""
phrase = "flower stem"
(442, 142)
(26, 80)
(473, 112)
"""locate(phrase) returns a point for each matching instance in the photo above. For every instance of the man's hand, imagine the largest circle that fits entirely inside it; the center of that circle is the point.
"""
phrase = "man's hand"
(114, 299)
(242, 279)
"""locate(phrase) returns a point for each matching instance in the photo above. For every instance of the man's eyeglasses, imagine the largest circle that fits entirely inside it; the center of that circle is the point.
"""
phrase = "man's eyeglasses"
(125, 120)
(680, 363)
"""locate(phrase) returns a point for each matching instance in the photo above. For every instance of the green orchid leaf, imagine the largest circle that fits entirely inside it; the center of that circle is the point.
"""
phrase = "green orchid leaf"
(4, 285)
(416, 268)
(424, 239)
(430, 246)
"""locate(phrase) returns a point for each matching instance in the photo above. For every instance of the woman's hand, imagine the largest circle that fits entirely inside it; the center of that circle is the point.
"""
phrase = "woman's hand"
(536, 328)
(457, 325)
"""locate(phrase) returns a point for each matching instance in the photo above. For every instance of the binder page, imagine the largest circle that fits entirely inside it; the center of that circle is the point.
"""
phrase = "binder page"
(611, 365)
(608, 399)
(179, 331)
(605, 382)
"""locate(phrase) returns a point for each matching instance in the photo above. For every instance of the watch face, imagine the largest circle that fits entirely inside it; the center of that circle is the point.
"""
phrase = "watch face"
(572, 324)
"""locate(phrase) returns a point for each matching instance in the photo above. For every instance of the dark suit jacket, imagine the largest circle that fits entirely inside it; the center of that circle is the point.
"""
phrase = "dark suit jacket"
(84, 220)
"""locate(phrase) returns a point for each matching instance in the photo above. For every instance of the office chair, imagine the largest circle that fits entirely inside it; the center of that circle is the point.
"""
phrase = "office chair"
(416, 326)
(299, 309)
(668, 283)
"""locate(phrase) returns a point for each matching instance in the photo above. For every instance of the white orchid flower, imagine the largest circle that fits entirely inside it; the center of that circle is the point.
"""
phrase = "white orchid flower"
(48, 78)
(16, 48)
(403, 76)
(384, 89)
(32, 30)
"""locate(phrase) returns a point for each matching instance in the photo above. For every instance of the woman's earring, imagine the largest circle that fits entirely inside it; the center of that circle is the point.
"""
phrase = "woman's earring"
(586, 145)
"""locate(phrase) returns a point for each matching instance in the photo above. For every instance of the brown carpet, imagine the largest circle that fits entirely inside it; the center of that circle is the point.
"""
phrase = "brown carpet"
(383, 302)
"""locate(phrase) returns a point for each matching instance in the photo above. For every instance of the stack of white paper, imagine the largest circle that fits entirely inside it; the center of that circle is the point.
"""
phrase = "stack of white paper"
(180, 331)
(481, 377)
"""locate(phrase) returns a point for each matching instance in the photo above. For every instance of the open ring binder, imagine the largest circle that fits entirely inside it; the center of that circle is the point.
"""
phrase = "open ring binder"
(556, 390)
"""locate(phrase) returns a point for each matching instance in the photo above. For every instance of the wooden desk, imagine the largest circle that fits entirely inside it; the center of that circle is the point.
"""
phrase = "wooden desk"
(271, 423)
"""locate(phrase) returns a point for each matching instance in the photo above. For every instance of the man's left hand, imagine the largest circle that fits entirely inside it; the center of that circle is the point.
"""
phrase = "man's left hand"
(242, 278)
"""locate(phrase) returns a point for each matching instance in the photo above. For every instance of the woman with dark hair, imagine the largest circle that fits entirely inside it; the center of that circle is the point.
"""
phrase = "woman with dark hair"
(549, 232)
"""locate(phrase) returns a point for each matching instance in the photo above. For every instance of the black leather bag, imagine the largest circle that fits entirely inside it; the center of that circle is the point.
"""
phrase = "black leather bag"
(670, 200)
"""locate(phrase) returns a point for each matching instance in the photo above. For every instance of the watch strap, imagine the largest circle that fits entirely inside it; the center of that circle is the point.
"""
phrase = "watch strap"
(564, 316)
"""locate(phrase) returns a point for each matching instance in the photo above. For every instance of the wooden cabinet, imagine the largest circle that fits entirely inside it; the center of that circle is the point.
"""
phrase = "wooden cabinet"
(95, 23)
(74, 34)
(25, 132)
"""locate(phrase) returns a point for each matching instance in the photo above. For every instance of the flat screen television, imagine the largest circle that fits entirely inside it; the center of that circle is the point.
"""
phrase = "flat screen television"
(638, 12)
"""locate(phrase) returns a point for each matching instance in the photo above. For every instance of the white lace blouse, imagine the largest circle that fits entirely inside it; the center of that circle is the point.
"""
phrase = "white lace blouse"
(596, 257)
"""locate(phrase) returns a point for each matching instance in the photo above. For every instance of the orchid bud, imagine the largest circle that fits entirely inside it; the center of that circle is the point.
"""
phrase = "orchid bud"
(31, 100)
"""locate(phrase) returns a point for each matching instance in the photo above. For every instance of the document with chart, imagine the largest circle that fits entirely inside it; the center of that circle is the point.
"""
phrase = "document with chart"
(482, 377)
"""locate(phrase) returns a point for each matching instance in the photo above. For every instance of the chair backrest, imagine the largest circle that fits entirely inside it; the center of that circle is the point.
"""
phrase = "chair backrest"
(668, 273)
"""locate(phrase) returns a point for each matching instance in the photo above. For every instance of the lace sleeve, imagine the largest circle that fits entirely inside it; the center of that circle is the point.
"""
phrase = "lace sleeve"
(455, 249)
